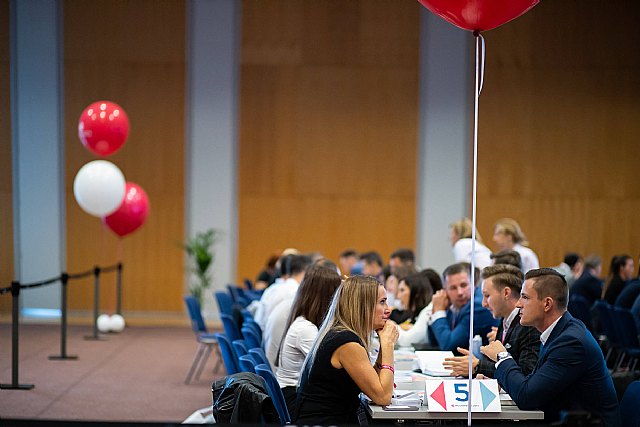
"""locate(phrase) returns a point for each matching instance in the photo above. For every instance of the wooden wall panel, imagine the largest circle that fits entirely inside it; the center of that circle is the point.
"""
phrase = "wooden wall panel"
(6, 181)
(559, 129)
(130, 52)
(328, 127)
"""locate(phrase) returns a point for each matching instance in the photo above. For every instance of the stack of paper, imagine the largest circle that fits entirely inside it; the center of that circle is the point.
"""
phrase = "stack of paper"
(431, 362)
(407, 397)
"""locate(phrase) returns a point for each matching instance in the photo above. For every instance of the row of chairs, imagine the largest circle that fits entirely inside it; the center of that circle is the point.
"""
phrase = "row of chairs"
(238, 358)
(616, 324)
(249, 331)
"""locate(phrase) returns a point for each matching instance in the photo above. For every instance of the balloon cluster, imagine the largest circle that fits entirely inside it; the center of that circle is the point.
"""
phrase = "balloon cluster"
(113, 323)
(99, 186)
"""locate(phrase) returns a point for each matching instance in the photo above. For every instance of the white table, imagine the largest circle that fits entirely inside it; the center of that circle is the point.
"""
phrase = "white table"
(508, 413)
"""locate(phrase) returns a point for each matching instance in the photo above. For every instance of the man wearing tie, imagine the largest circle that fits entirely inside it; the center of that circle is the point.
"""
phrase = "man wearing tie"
(449, 323)
(571, 373)
(501, 286)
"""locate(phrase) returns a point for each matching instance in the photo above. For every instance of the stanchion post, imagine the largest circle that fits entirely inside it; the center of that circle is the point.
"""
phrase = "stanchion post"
(64, 279)
(15, 327)
(119, 290)
(96, 304)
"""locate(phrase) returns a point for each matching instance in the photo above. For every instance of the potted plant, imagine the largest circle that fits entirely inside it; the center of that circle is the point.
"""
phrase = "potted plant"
(201, 255)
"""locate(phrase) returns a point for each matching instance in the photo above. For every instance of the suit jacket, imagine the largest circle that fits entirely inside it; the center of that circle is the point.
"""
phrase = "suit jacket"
(522, 342)
(450, 333)
(588, 286)
(571, 374)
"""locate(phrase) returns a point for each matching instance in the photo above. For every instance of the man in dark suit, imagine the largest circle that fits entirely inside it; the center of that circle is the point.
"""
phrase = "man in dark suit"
(501, 286)
(589, 284)
(571, 373)
(449, 323)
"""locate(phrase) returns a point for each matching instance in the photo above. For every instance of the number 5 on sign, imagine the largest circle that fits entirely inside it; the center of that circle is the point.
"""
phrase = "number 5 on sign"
(453, 395)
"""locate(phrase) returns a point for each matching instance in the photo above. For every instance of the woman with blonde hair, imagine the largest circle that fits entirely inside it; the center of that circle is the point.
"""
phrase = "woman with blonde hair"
(337, 368)
(460, 237)
(507, 234)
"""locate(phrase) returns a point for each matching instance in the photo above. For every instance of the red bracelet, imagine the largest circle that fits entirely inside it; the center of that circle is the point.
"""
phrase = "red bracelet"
(389, 367)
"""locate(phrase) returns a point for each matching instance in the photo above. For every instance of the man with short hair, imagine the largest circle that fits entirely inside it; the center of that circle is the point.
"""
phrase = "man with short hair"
(501, 286)
(571, 373)
(571, 267)
(292, 269)
(349, 262)
(449, 323)
(402, 257)
(372, 265)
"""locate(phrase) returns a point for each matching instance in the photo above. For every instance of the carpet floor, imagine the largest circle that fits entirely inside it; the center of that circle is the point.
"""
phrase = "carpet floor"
(136, 375)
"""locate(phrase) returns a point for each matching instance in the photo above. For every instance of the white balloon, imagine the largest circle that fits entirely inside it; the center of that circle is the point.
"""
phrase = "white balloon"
(104, 323)
(117, 323)
(99, 188)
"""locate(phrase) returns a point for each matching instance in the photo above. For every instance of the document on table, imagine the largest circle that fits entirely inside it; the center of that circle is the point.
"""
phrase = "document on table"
(431, 362)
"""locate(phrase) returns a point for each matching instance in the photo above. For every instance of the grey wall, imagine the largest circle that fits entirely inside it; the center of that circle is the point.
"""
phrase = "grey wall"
(446, 102)
(37, 126)
(212, 129)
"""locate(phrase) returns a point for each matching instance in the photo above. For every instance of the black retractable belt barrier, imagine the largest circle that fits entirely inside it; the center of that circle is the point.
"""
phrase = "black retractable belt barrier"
(64, 278)
(96, 305)
(119, 290)
(15, 318)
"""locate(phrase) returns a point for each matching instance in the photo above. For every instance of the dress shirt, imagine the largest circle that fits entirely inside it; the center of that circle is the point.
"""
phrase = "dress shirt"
(506, 323)
(545, 335)
(462, 253)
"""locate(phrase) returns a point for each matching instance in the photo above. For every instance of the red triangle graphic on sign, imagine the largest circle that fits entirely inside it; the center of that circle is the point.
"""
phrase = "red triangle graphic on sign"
(438, 396)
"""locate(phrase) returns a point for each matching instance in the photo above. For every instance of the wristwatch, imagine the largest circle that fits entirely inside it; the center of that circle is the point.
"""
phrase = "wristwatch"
(503, 355)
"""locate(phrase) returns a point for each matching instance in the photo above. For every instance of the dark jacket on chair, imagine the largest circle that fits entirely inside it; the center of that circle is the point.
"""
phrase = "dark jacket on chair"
(242, 399)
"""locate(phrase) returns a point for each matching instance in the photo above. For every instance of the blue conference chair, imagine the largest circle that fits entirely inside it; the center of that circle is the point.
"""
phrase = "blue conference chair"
(240, 348)
(228, 354)
(259, 356)
(626, 328)
(206, 341)
(253, 325)
(238, 296)
(605, 317)
(230, 327)
(225, 303)
(247, 316)
(579, 308)
(275, 392)
(246, 364)
(629, 405)
(251, 338)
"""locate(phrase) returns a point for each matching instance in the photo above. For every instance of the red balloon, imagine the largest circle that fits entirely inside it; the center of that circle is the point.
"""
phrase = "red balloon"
(103, 127)
(132, 212)
(479, 15)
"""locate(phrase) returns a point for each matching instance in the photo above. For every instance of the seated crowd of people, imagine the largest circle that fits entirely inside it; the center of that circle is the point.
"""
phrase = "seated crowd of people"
(329, 331)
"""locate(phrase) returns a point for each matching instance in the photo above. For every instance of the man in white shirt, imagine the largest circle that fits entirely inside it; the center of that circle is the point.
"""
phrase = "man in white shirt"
(571, 373)
(278, 305)
(292, 268)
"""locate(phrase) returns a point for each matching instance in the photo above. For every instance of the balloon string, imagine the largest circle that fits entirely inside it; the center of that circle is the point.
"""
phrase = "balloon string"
(482, 64)
(478, 88)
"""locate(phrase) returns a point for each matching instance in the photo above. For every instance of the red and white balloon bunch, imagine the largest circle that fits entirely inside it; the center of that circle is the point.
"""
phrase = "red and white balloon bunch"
(99, 186)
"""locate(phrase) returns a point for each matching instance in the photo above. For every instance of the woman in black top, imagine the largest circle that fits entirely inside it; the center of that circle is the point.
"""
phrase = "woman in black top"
(338, 367)
(620, 272)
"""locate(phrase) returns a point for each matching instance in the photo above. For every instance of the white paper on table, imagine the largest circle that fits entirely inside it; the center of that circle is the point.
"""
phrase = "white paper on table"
(430, 362)
(407, 397)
